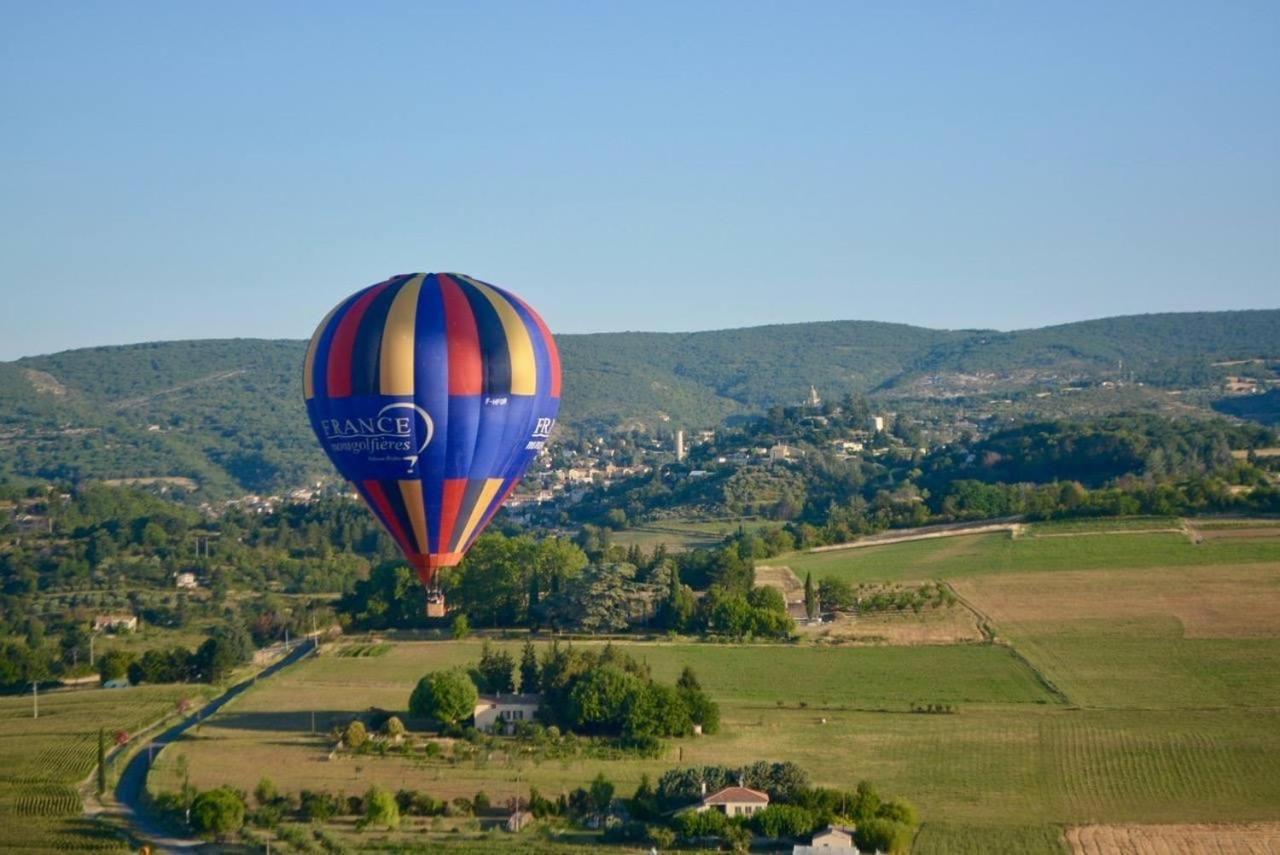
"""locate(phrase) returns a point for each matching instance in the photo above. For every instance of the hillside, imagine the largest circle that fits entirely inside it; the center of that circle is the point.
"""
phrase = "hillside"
(226, 413)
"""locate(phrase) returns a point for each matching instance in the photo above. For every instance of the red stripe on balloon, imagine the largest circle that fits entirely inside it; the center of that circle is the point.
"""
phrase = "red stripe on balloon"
(454, 490)
(466, 374)
(375, 494)
(338, 383)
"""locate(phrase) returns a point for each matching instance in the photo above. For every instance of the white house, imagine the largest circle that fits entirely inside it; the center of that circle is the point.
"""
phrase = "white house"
(735, 801)
(829, 841)
(186, 581)
(500, 713)
(115, 623)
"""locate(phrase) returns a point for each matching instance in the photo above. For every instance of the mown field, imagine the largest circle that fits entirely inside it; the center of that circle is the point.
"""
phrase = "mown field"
(42, 761)
(1163, 654)
(971, 555)
(678, 535)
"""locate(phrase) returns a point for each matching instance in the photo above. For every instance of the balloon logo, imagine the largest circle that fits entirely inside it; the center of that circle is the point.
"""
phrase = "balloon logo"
(432, 393)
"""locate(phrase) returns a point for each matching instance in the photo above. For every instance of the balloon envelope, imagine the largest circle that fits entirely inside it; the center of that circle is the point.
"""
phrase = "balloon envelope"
(432, 393)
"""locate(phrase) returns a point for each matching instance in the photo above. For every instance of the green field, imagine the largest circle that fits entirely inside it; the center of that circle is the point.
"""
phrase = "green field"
(953, 557)
(678, 535)
(43, 760)
(1164, 652)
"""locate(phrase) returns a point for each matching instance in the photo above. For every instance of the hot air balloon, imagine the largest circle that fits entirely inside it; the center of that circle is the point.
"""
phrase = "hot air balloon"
(432, 393)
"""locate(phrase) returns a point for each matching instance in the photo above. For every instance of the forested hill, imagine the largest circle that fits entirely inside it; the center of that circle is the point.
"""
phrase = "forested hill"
(228, 413)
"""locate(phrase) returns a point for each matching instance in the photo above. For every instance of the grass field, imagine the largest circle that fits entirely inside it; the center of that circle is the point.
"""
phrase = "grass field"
(679, 535)
(1166, 652)
(956, 557)
(43, 759)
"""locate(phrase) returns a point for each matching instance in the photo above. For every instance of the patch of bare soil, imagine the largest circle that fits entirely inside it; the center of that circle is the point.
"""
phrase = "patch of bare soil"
(170, 480)
(1248, 839)
(1215, 601)
(944, 625)
(45, 383)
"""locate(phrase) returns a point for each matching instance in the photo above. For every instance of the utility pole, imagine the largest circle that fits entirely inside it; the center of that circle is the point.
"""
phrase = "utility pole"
(35, 699)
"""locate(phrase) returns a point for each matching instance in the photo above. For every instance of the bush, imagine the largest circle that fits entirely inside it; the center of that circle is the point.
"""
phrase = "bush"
(461, 627)
(661, 838)
(882, 835)
(481, 802)
(354, 736)
(691, 825)
(780, 820)
(318, 807)
(900, 811)
(380, 808)
(217, 813)
(393, 727)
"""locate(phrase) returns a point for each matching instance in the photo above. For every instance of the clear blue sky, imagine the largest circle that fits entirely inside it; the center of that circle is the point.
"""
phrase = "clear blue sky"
(182, 170)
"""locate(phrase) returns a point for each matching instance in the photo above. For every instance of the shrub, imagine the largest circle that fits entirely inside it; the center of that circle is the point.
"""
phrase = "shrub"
(318, 807)
(781, 820)
(393, 727)
(354, 736)
(900, 811)
(217, 813)
(882, 835)
(380, 808)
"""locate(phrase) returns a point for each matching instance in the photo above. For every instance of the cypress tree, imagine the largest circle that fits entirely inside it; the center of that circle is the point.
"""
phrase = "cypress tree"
(810, 597)
(102, 761)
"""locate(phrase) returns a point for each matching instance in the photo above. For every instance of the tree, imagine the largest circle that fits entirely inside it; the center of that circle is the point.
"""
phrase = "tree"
(599, 700)
(461, 627)
(866, 802)
(810, 597)
(529, 673)
(380, 808)
(496, 672)
(445, 696)
(114, 664)
(102, 761)
(217, 813)
(393, 727)
(601, 793)
(836, 594)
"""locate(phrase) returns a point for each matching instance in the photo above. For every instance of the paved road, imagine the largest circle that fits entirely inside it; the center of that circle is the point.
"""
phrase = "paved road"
(133, 781)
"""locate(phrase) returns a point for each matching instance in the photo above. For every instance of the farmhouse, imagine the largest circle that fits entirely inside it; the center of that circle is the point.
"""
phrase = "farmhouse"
(734, 801)
(499, 713)
(829, 841)
(115, 623)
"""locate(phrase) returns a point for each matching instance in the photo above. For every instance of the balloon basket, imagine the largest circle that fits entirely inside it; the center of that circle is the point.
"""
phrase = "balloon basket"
(435, 604)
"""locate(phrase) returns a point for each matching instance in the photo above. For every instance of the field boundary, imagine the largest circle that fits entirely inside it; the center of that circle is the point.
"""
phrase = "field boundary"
(988, 629)
(1013, 525)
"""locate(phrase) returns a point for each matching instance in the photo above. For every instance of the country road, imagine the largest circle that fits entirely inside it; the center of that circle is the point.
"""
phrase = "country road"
(130, 805)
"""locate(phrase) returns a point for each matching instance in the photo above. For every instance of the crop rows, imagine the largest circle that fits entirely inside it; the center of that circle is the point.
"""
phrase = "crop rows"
(364, 651)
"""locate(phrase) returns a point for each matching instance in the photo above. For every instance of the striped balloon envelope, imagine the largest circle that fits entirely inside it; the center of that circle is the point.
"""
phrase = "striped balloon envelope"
(432, 393)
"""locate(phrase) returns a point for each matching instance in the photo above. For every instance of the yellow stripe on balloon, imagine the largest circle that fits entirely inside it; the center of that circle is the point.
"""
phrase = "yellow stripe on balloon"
(487, 492)
(396, 359)
(309, 364)
(524, 367)
(411, 492)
